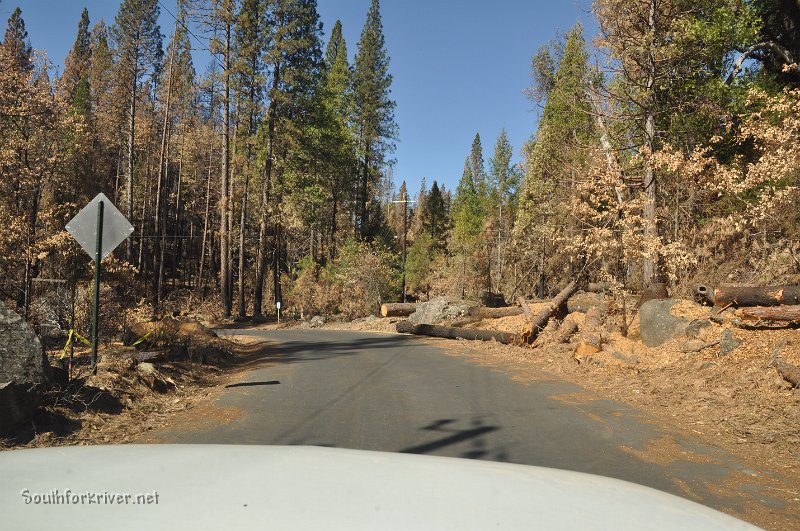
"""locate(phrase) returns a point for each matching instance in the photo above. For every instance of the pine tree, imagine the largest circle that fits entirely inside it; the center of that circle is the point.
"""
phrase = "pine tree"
(250, 42)
(295, 63)
(478, 168)
(78, 62)
(565, 129)
(339, 75)
(505, 176)
(435, 220)
(106, 117)
(338, 141)
(136, 39)
(504, 180)
(374, 109)
(16, 43)
(466, 213)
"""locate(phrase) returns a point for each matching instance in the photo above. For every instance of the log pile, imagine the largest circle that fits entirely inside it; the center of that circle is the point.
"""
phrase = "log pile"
(544, 315)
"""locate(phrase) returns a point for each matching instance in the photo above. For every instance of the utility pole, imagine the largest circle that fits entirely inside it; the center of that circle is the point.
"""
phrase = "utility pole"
(405, 201)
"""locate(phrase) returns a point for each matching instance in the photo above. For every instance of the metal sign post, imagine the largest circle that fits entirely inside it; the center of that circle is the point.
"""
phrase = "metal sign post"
(96, 304)
(99, 228)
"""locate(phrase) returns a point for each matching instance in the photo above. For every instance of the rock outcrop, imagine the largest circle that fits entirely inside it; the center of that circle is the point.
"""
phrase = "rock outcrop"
(24, 371)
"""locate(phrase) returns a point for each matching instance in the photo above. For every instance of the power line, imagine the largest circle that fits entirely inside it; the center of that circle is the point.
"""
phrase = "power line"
(190, 32)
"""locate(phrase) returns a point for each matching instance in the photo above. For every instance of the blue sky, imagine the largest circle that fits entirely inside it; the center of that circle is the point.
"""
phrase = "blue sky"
(459, 67)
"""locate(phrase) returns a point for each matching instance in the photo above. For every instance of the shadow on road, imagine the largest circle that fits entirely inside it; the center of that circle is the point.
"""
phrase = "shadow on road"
(475, 435)
(303, 351)
(252, 384)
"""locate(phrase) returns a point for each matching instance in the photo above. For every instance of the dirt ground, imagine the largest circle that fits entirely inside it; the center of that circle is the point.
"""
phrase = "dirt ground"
(127, 399)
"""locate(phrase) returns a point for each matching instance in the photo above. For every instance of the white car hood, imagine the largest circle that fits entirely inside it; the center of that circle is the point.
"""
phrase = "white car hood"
(273, 487)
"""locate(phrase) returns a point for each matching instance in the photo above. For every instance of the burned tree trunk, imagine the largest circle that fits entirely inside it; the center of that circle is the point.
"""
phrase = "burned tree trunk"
(455, 333)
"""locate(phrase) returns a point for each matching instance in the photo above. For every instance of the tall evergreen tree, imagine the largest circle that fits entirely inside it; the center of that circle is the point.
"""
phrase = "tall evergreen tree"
(565, 129)
(374, 109)
(16, 43)
(295, 63)
(250, 41)
(338, 141)
(505, 176)
(136, 39)
(466, 212)
(78, 62)
(478, 167)
(434, 220)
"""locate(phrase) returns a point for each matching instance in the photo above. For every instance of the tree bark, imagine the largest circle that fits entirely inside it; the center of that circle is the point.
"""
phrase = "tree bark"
(224, 218)
(163, 170)
(455, 333)
(774, 313)
(131, 150)
(266, 183)
(496, 313)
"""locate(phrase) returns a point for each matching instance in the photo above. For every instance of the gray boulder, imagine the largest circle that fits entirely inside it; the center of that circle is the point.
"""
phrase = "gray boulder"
(440, 309)
(657, 325)
(24, 371)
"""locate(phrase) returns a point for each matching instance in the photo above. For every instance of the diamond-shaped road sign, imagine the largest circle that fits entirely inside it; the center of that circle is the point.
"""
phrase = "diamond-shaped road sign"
(83, 227)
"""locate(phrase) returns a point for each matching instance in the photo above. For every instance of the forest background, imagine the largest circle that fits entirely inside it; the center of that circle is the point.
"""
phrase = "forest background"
(668, 150)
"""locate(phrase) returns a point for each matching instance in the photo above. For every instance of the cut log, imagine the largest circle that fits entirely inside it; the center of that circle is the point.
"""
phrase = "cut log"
(590, 339)
(789, 313)
(567, 330)
(525, 308)
(398, 309)
(495, 313)
(544, 315)
(455, 333)
(756, 296)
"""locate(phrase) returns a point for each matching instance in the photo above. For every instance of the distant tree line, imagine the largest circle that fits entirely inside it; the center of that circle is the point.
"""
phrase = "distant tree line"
(278, 151)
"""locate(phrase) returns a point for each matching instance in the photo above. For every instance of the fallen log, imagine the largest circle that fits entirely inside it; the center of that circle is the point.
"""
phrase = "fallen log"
(567, 330)
(598, 287)
(495, 313)
(756, 296)
(544, 315)
(789, 313)
(455, 333)
(398, 309)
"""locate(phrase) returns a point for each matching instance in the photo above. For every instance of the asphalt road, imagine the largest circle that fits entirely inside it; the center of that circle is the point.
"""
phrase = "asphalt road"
(401, 394)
